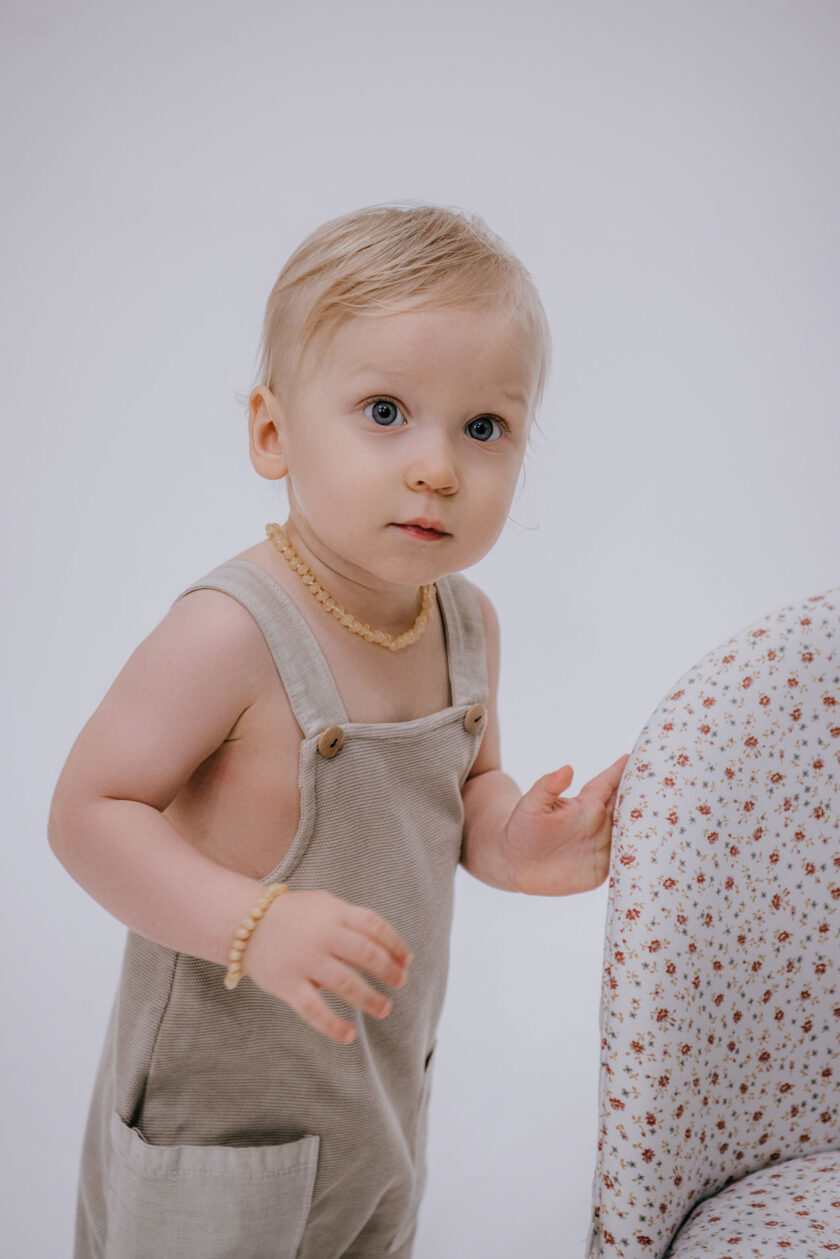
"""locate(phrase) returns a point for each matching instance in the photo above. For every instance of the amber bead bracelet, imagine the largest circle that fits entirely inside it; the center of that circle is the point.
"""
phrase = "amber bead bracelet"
(243, 935)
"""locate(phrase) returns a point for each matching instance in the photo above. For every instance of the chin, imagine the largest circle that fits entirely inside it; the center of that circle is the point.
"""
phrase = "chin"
(398, 573)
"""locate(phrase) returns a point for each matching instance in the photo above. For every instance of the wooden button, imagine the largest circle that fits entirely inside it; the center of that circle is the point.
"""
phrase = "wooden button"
(329, 743)
(474, 718)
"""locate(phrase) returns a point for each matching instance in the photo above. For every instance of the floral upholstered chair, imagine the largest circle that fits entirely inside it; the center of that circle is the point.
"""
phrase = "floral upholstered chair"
(720, 1051)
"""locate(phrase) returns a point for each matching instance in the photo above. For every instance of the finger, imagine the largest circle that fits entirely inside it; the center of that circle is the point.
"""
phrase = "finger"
(555, 783)
(610, 805)
(603, 784)
(370, 923)
(622, 765)
(314, 1010)
(367, 954)
(345, 983)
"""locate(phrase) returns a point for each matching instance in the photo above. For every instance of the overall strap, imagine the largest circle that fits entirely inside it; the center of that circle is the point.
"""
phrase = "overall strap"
(465, 635)
(301, 664)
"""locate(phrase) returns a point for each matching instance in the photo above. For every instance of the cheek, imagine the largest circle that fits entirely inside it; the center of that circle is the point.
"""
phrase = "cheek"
(333, 484)
(497, 478)
(317, 460)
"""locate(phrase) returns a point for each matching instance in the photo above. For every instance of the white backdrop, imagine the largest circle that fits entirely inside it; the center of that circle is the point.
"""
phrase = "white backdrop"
(667, 171)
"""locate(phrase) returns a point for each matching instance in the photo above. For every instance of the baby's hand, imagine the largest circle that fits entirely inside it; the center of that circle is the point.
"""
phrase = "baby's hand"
(312, 940)
(555, 847)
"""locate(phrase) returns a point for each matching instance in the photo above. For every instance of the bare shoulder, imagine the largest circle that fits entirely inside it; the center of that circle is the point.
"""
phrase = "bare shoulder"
(213, 618)
(210, 633)
(172, 704)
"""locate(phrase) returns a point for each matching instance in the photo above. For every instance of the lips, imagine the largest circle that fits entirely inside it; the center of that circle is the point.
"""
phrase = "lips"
(425, 530)
(434, 526)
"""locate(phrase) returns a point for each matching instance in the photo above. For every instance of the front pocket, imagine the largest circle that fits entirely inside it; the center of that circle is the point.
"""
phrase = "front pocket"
(207, 1201)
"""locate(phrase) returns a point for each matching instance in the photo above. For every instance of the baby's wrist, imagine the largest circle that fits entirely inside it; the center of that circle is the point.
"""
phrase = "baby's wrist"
(236, 964)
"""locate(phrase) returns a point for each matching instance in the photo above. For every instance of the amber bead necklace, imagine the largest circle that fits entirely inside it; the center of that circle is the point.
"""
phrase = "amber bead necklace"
(279, 539)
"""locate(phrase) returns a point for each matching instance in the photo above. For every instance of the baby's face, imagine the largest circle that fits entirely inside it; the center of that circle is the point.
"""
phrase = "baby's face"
(421, 414)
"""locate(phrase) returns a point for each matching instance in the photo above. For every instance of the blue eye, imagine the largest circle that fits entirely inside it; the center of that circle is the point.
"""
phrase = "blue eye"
(483, 425)
(383, 412)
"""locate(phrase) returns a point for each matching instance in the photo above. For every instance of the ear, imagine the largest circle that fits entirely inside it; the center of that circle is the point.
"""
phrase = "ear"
(266, 434)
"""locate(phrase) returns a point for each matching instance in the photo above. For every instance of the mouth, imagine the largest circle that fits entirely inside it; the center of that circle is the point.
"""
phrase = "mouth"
(425, 529)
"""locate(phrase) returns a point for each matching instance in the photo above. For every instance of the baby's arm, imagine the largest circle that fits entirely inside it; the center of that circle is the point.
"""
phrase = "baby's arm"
(538, 842)
(172, 705)
(489, 794)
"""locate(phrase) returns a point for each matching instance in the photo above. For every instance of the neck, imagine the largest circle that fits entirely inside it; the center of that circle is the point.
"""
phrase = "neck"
(392, 608)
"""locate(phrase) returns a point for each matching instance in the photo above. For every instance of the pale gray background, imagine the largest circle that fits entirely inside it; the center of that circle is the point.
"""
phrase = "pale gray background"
(668, 172)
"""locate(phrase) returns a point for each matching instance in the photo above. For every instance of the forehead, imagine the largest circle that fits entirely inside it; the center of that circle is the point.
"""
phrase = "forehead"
(475, 343)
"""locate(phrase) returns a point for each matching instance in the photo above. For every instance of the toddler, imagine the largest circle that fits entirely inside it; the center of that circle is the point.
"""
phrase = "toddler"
(276, 791)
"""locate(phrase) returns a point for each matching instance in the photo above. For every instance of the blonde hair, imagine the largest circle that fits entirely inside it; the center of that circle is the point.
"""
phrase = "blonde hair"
(379, 258)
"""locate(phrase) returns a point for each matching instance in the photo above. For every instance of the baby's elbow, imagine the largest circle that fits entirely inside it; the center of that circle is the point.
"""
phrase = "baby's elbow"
(55, 832)
(60, 828)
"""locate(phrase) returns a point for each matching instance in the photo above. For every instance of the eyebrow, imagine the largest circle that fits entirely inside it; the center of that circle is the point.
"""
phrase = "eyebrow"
(514, 397)
(378, 369)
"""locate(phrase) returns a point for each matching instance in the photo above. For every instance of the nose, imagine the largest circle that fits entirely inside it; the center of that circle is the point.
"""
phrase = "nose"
(432, 466)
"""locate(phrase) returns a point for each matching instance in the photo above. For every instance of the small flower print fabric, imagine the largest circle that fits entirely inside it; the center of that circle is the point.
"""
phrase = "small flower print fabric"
(720, 1013)
(792, 1209)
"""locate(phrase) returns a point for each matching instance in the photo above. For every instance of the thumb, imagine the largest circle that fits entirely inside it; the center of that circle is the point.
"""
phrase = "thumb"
(555, 783)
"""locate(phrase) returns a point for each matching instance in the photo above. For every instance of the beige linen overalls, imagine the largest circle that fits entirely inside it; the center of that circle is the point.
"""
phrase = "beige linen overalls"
(222, 1126)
